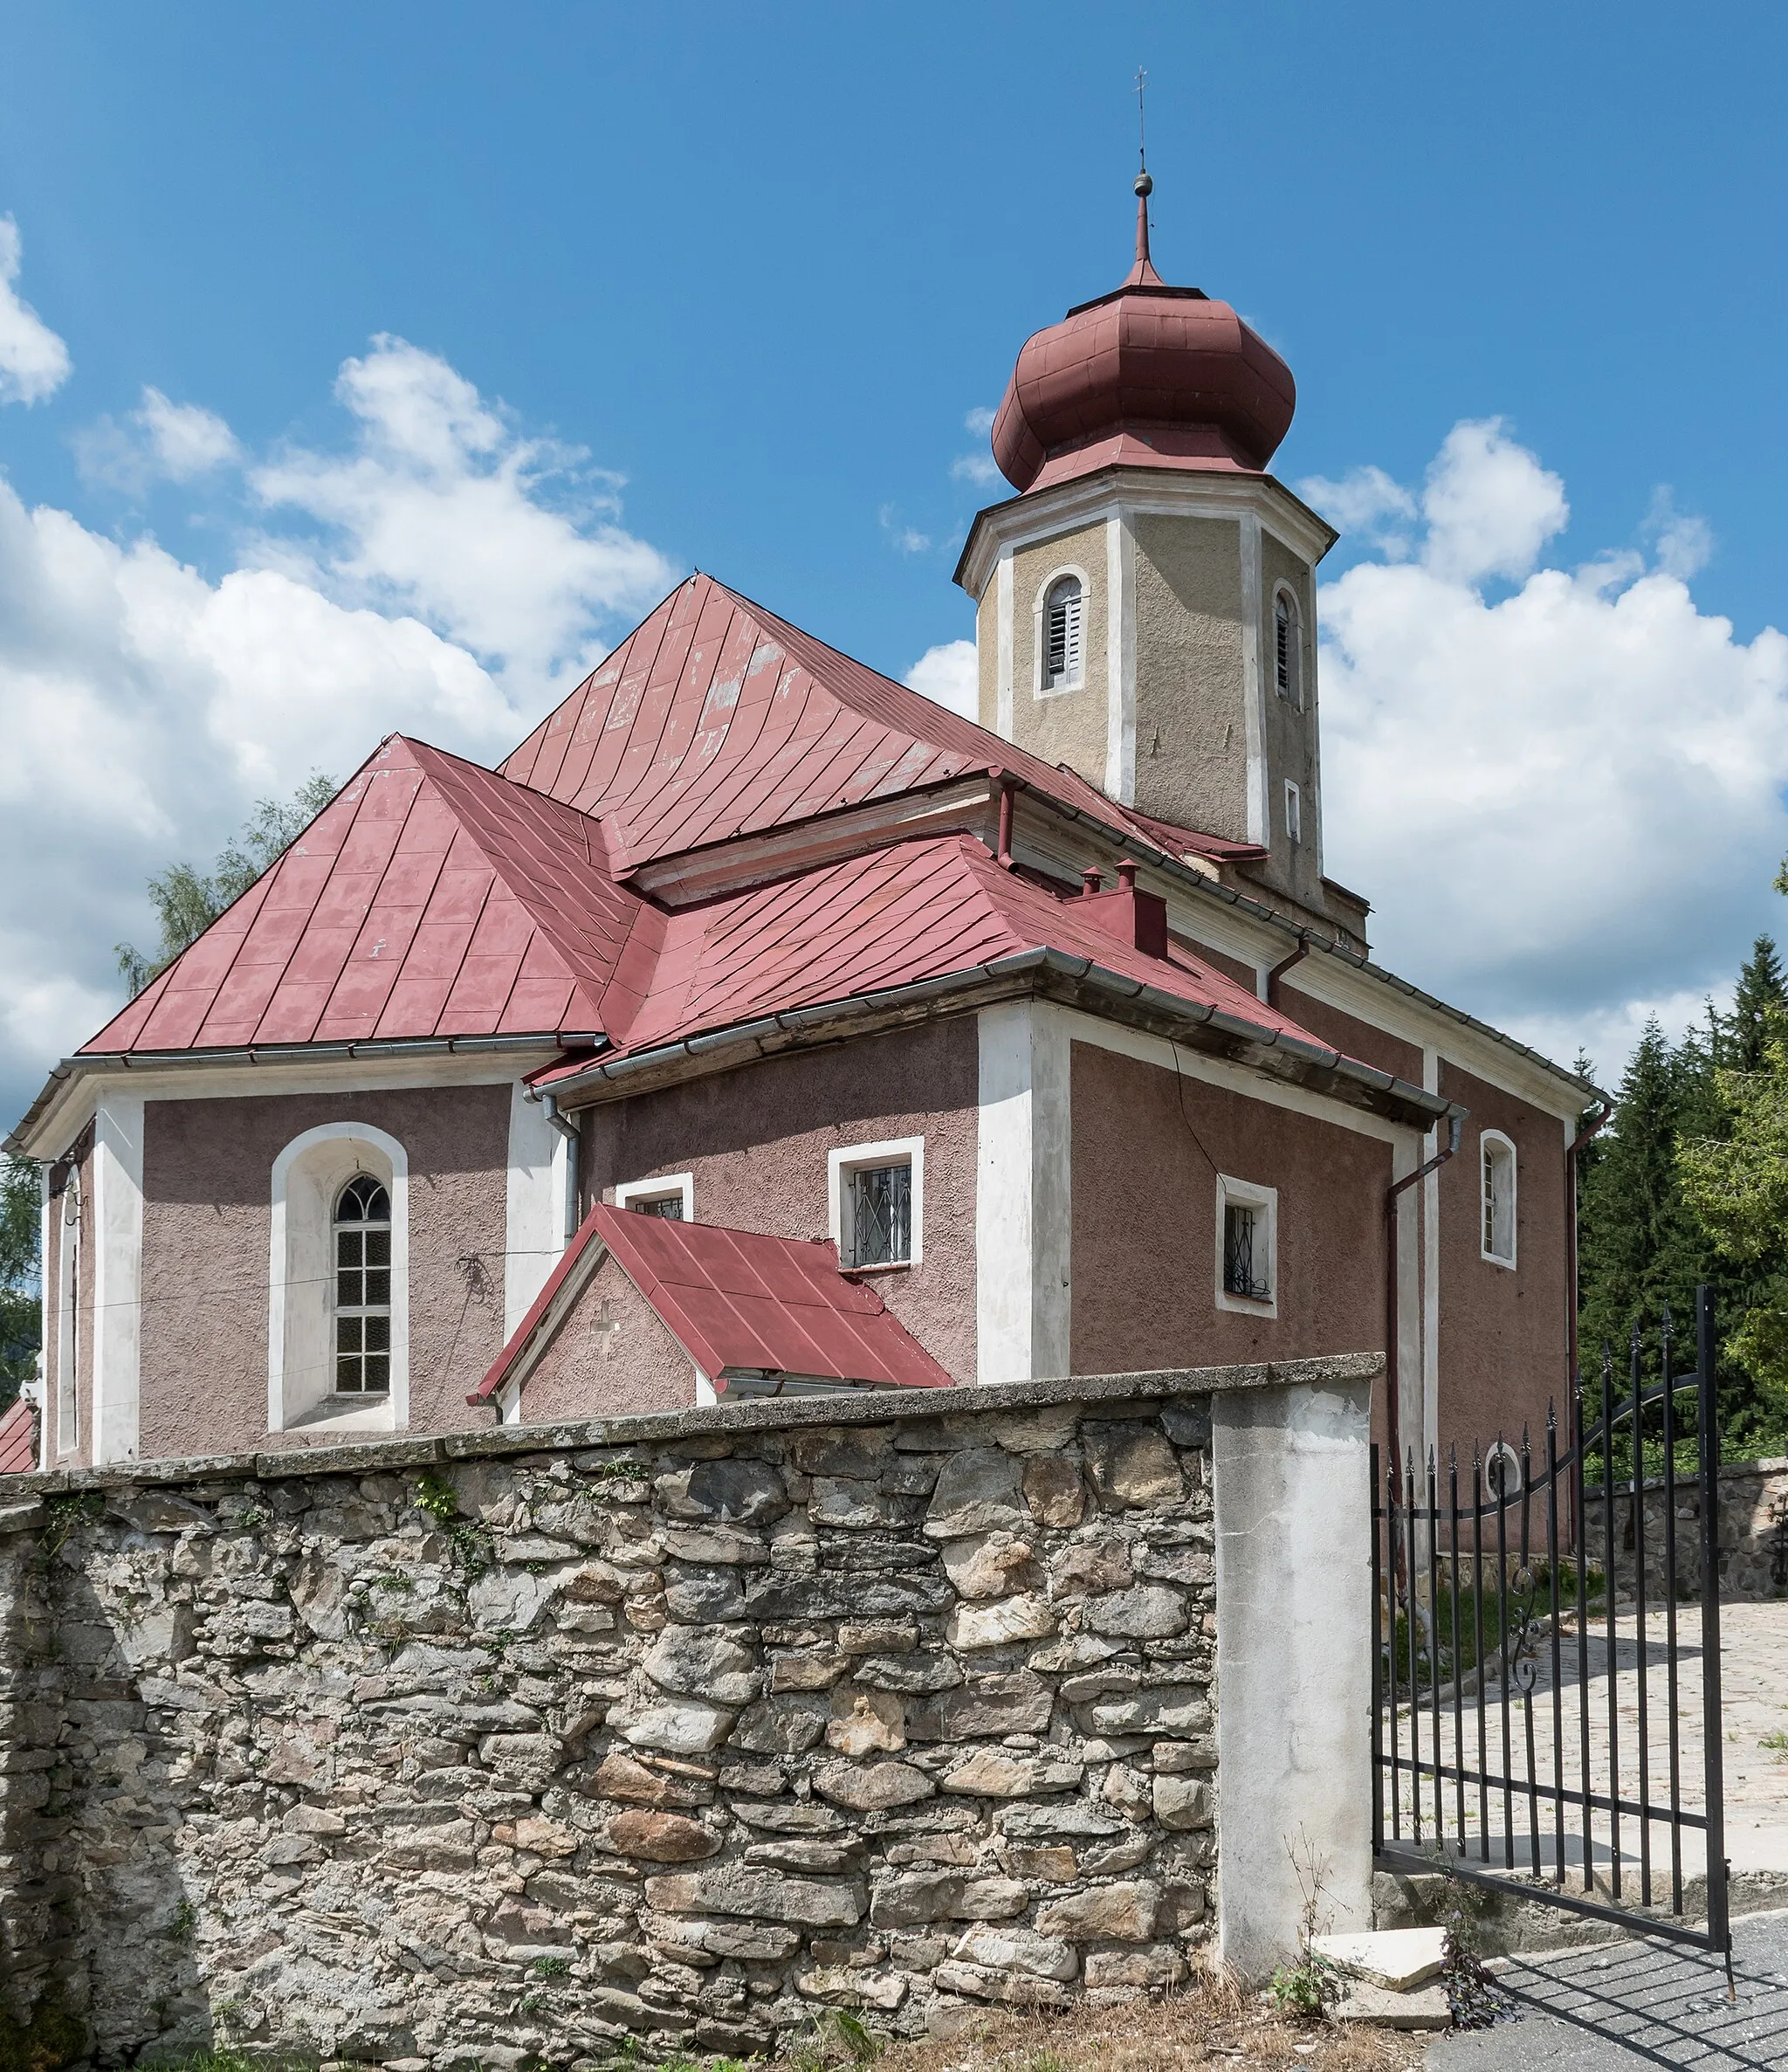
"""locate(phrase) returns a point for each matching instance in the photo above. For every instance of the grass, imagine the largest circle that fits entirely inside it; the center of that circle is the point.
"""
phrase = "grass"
(1776, 1744)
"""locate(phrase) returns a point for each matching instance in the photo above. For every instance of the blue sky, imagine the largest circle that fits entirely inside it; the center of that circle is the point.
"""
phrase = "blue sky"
(727, 283)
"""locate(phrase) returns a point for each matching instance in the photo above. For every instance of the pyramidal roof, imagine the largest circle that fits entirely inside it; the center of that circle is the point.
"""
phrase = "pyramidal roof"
(715, 718)
(429, 898)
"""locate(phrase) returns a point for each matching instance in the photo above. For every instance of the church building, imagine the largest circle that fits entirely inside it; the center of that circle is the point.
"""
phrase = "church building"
(759, 1026)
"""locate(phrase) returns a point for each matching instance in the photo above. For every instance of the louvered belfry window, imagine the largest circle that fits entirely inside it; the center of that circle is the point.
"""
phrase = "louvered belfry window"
(1285, 647)
(881, 1215)
(1062, 633)
(362, 1234)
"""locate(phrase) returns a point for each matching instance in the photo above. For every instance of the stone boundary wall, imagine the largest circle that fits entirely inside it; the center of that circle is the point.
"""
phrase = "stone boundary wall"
(1753, 1499)
(512, 1745)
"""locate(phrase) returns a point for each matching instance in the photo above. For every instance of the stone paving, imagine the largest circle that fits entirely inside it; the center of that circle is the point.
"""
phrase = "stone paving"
(1754, 1668)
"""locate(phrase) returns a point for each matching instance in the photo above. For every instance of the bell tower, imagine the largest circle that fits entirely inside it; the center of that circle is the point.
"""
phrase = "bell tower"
(1146, 601)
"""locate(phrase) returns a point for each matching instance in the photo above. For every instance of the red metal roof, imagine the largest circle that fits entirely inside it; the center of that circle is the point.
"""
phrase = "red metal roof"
(430, 897)
(18, 1439)
(714, 718)
(890, 918)
(735, 1302)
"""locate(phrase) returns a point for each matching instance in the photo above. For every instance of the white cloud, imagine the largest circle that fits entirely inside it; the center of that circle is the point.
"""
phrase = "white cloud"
(34, 362)
(508, 544)
(1682, 543)
(144, 706)
(980, 421)
(1590, 769)
(978, 468)
(904, 539)
(161, 442)
(1361, 502)
(946, 674)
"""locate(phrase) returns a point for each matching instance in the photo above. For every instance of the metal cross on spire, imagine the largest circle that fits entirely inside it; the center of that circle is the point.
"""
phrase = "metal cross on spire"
(1142, 273)
(1142, 135)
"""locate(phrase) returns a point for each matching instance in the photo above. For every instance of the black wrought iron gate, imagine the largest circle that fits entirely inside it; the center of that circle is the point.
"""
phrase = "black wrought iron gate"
(1542, 1721)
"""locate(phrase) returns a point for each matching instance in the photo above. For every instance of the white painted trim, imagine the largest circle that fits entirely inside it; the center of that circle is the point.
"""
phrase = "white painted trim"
(67, 1318)
(659, 1188)
(1404, 1157)
(307, 1162)
(534, 1237)
(1501, 1450)
(1023, 1195)
(705, 1394)
(1038, 688)
(1253, 690)
(1042, 515)
(118, 1257)
(1498, 1139)
(1082, 1028)
(1120, 657)
(1294, 813)
(1295, 698)
(1246, 1195)
(1003, 609)
(851, 1158)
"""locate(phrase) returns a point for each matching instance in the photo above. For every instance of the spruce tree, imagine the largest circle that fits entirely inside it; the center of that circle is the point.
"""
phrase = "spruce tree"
(1762, 991)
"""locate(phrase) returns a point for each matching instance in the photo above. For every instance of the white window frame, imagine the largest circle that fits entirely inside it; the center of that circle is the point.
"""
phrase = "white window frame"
(307, 1176)
(1293, 815)
(660, 1187)
(1493, 1141)
(1513, 1479)
(1246, 1194)
(1039, 607)
(845, 1159)
(1284, 593)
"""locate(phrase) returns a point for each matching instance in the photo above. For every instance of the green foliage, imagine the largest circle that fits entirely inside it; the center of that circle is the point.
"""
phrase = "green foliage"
(1737, 1179)
(47, 2038)
(551, 1968)
(20, 1314)
(1305, 1990)
(835, 2038)
(468, 1538)
(186, 904)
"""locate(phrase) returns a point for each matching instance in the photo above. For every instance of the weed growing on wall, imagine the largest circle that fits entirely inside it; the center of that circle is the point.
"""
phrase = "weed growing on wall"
(473, 1549)
(1306, 1990)
(1472, 1994)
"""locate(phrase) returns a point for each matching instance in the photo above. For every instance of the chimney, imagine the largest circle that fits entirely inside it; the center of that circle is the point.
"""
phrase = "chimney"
(1137, 918)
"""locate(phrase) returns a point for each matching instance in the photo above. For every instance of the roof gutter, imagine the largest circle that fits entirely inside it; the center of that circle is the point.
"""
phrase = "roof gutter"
(1202, 1026)
(91, 1063)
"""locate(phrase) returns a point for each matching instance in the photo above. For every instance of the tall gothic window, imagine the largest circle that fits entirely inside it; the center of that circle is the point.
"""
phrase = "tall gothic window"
(1288, 648)
(1063, 639)
(1498, 1198)
(362, 1234)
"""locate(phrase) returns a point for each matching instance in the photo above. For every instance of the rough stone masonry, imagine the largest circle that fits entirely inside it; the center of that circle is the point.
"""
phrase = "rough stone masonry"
(513, 1746)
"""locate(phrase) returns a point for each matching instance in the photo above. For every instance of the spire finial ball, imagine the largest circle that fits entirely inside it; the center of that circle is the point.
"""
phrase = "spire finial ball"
(1145, 184)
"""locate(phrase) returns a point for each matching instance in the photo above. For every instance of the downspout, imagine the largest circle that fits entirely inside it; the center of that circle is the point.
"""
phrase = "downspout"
(1456, 1121)
(569, 1131)
(1269, 991)
(1009, 789)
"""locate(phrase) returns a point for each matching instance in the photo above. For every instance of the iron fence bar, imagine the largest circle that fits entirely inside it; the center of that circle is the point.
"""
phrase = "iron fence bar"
(1434, 1516)
(1598, 1800)
(1407, 1860)
(1533, 1804)
(1670, 1674)
(1583, 1762)
(1377, 1613)
(1458, 1678)
(1477, 1599)
(1557, 1668)
(1640, 1650)
(1719, 1929)
(1414, 1624)
(1613, 1631)
(1390, 1644)
(1502, 1649)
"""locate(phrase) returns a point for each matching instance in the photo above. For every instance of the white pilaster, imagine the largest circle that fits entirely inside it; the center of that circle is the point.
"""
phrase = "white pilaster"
(1432, 1434)
(539, 1174)
(1120, 658)
(118, 1253)
(1023, 1225)
(1260, 823)
(1002, 607)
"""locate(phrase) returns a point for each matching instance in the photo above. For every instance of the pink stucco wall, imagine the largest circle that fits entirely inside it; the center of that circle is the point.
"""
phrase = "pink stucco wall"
(756, 1141)
(612, 1356)
(1146, 1157)
(207, 1193)
(1502, 1334)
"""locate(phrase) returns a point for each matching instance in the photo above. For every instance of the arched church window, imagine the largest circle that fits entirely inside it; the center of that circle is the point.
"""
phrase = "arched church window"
(1063, 639)
(362, 1234)
(1498, 1198)
(1287, 647)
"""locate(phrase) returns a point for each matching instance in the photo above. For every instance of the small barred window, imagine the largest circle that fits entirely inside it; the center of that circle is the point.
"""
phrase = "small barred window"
(362, 1233)
(881, 1215)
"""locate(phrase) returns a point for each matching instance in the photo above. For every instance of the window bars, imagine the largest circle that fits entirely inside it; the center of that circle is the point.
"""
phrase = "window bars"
(362, 1234)
(881, 1215)
(1240, 1276)
(1528, 1718)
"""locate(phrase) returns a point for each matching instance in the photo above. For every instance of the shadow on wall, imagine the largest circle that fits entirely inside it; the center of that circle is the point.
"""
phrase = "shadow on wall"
(80, 1823)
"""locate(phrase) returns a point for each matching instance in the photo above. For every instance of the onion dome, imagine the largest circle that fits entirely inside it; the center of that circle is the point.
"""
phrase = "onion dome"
(1148, 376)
